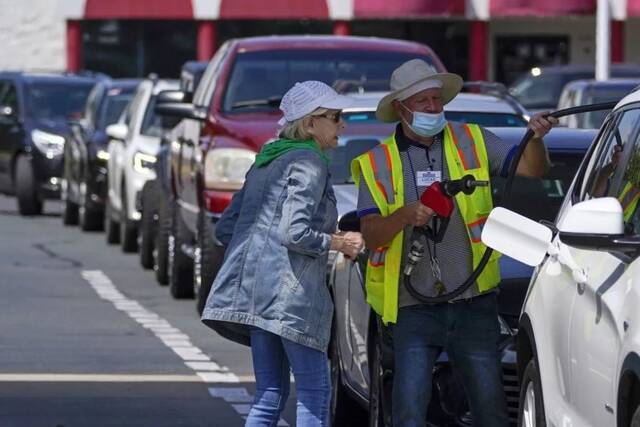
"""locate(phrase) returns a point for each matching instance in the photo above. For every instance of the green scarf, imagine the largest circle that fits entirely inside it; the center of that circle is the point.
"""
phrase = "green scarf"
(278, 147)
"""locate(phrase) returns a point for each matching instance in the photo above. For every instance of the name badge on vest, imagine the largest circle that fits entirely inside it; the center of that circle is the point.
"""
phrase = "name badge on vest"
(426, 178)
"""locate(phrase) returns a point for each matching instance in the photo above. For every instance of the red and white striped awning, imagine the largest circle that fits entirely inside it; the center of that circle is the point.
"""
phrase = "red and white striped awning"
(334, 9)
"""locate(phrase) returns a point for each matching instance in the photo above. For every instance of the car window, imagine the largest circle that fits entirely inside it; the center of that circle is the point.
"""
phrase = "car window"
(259, 79)
(114, 104)
(542, 91)
(481, 118)
(154, 124)
(56, 100)
(606, 174)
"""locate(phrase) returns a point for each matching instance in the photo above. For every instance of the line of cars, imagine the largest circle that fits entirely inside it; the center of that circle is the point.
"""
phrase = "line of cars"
(159, 174)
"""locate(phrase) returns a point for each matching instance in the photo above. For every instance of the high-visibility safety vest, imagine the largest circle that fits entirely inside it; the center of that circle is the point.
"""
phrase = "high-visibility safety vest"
(381, 169)
(629, 200)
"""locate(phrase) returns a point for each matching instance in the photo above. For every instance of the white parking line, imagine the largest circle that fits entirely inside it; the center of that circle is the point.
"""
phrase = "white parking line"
(205, 369)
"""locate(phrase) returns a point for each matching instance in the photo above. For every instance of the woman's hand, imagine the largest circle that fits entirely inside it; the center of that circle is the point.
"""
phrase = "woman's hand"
(350, 243)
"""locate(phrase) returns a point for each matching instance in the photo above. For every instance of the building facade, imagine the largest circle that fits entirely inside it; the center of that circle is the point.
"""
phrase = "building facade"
(480, 39)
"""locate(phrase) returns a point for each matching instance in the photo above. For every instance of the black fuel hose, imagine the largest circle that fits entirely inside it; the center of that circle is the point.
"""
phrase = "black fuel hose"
(505, 202)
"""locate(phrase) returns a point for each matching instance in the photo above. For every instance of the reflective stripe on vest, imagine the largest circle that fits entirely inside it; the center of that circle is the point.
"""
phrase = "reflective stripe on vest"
(629, 200)
(465, 152)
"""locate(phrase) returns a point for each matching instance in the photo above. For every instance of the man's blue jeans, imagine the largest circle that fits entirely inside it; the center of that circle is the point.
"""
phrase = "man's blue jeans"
(273, 358)
(468, 331)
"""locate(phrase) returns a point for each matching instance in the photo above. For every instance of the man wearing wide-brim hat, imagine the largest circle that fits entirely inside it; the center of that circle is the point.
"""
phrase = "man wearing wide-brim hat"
(431, 310)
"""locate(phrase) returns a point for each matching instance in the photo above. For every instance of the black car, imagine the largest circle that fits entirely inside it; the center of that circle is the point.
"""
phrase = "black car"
(540, 87)
(34, 109)
(84, 180)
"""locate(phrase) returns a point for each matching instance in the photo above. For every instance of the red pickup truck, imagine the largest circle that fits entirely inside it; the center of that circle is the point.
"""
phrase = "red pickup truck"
(235, 111)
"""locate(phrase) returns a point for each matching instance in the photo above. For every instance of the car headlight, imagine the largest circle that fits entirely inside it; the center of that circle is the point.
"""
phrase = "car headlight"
(143, 162)
(225, 168)
(103, 155)
(48, 143)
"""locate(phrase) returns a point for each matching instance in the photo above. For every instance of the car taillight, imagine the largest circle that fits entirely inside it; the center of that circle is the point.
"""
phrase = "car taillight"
(217, 201)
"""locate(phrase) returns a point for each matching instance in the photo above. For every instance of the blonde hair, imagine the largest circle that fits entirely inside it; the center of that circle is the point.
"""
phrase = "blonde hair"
(296, 130)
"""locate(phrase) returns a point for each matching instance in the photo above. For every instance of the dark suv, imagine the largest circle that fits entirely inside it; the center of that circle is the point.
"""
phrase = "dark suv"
(235, 111)
(84, 180)
(34, 109)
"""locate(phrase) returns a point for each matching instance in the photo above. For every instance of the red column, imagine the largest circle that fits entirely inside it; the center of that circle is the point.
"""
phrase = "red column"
(617, 41)
(206, 40)
(478, 48)
(74, 46)
(341, 28)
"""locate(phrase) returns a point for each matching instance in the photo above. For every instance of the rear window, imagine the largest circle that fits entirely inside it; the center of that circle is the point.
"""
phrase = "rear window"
(259, 79)
(59, 100)
(594, 119)
(543, 91)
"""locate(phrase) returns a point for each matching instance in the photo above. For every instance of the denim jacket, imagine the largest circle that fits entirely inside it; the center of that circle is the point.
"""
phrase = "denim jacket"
(277, 232)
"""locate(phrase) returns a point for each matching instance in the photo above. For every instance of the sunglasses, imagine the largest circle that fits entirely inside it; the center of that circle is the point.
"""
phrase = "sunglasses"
(335, 117)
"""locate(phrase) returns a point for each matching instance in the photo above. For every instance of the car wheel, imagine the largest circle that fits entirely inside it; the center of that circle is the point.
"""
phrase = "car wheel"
(128, 230)
(69, 209)
(635, 421)
(207, 262)
(89, 219)
(180, 265)
(531, 413)
(111, 227)
(161, 246)
(344, 410)
(380, 384)
(148, 223)
(28, 201)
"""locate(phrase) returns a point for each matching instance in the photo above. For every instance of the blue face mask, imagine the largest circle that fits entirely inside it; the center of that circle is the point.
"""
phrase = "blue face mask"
(426, 124)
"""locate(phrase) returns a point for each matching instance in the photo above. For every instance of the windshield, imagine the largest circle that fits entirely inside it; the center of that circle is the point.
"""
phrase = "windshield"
(113, 108)
(594, 119)
(57, 100)
(540, 198)
(259, 79)
(483, 119)
(542, 91)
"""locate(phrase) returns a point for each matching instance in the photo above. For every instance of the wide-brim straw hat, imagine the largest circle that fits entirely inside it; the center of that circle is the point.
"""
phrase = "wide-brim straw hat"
(412, 77)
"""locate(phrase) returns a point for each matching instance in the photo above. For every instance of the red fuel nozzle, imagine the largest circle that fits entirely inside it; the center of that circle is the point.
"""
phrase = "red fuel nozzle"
(439, 195)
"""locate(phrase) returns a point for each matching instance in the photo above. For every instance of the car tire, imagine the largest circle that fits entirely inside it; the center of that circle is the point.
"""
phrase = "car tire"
(531, 405)
(69, 209)
(128, 229)
(180, 265)
(344, 411)
(111, 227)
(635, 420)
(206, 263)
(25, 184)
(148, 224)
(161, 245)
(379, 387)
(89, 219)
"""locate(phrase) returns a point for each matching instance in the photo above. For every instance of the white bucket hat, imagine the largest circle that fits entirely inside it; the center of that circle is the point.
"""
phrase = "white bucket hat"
(304, 98)
(412, 77)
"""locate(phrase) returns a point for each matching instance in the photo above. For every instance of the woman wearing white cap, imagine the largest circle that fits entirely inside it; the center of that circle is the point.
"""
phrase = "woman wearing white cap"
(270, 292)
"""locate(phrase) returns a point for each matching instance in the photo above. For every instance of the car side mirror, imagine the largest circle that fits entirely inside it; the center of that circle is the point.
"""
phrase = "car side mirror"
(181, 110)
(516, 236)
(117, 131)
(597, 225)
(349, 222)
(171, 96)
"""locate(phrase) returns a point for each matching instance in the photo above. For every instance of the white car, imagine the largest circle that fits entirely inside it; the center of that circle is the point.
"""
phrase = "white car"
(134, 142)
(578, 341)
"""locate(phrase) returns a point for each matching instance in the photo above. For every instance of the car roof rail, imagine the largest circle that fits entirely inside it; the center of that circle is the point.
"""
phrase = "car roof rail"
(495, 89)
